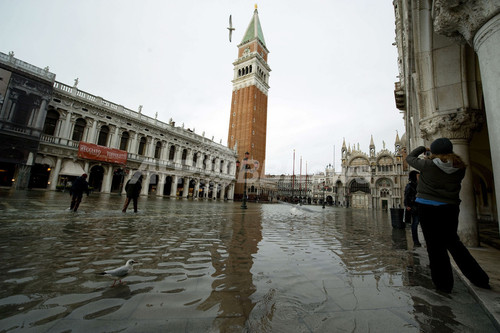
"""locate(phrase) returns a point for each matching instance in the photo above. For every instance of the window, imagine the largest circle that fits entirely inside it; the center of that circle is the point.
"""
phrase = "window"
(103, 136)
(184, 156)
(142, 146)
(158, 149)
(171, 153)
(124, 141)
(50, 122)
(78, 129)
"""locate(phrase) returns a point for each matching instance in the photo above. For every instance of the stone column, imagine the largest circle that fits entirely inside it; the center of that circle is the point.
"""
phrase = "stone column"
(116, 139)
(173, 188)
(487, 46)
(126, 179)
(54, 174)
(65, 134)
(222, 191)
(478, 24)
(42, 112)
(3, 112)
(145, 183)
(161, 184)
(92, 134)
(106, 183)
(467, 220)
(196, 190)
(185, 190)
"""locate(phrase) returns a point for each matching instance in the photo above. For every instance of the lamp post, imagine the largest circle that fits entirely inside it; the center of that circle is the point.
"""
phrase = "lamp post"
(245, 167)
(323, 194)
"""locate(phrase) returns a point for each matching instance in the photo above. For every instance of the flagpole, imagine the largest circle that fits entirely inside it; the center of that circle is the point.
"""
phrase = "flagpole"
(293, 174)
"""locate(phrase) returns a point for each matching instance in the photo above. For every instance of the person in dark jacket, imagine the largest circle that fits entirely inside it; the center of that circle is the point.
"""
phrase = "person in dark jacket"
(438, 201)
(79, 186)
(133, 189)
(411, 206)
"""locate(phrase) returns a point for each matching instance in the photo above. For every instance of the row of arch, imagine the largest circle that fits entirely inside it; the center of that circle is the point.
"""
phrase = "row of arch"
(80, 124)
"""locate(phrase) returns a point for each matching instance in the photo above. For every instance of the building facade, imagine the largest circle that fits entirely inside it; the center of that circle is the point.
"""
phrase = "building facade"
(374, 180)
(248, 117)
(25, 91)
(83, 133)
(449, 86)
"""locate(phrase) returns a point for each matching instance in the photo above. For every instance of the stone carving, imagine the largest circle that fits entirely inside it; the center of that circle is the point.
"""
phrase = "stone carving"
(457, 125)
(461, 20)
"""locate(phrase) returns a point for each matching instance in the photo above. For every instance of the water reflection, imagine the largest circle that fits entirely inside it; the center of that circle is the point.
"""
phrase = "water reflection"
(210, 266)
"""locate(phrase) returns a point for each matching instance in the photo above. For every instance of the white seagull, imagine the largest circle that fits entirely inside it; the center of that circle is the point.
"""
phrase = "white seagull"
(230, 28)
(120, 272)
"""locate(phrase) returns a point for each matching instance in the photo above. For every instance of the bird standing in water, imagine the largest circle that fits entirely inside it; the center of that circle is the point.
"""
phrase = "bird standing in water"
(119, 273)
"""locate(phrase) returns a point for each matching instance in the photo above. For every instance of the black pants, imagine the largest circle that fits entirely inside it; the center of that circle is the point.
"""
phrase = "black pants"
(75, 201)
(439, 226)
(127, 201)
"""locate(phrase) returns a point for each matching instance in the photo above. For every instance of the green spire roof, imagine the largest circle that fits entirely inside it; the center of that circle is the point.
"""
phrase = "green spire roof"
(254, 30)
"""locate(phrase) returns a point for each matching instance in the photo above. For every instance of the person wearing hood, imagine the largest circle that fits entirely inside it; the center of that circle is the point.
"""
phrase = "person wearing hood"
(411, 205)
(80, 185)
(438, 201)
(133, 189)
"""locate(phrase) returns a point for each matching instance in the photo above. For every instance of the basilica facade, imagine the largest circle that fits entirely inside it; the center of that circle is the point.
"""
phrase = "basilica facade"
(373, 180)
(75, 132)
(449, 86)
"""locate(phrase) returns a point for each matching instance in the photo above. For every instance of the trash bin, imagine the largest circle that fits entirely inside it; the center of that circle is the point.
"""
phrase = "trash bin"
(397, 218)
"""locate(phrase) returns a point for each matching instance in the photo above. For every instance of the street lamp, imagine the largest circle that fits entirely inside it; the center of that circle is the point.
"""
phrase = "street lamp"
(323, 194)
(245, 167)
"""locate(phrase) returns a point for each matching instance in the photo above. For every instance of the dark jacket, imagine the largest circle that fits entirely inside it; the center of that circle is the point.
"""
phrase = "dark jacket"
(410, 196)
(79, 186)
(438, 181)
(133, 188)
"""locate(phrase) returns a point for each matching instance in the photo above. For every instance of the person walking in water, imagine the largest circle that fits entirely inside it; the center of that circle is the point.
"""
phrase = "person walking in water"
(438, 202)
(411, 205)
(79, 186)
(133, 189)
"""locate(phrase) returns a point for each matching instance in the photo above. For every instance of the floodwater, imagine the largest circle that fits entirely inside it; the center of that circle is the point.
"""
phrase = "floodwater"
(209, 266)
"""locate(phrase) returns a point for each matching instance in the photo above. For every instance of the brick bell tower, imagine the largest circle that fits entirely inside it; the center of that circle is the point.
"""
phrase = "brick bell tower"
(248, 119)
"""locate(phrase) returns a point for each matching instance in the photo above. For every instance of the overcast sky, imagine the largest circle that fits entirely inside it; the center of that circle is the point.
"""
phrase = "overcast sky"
(333, 65)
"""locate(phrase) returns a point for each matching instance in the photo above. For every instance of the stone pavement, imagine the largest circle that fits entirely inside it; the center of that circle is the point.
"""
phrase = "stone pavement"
(488, 257)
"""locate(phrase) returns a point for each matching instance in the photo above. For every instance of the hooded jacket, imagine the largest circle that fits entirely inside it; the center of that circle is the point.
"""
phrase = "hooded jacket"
(439, 181)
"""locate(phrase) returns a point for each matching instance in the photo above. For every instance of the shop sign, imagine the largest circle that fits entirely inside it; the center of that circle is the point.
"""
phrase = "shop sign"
(100, 153)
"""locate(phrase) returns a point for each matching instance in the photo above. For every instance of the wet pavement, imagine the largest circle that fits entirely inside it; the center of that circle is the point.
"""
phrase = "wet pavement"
(209, 266)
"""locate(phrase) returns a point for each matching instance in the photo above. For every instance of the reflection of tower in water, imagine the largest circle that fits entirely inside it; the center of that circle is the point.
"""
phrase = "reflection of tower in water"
(233, 283)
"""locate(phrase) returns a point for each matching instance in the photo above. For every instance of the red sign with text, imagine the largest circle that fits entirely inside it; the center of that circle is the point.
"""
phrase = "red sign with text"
(100, 153)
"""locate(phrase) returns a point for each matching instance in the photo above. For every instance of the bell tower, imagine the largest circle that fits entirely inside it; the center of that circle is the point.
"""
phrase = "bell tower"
(248, 118)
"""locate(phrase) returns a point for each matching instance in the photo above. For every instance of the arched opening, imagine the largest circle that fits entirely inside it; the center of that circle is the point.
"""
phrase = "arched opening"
(102, 140)
(195, 159)
(158, 149)
(192, 184)
(79, 129)
(96, 176)
(142, 146)
(117, 182)
(51, 120)
(23, 108)
(171, 153)
(39, 176)
(153, 183)
(184, 156)
(167, 186)
(124, 141)
(180, 186)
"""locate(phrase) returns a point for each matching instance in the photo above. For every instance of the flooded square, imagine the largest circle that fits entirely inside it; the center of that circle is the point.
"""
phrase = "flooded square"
(210, 266)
